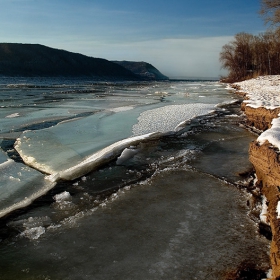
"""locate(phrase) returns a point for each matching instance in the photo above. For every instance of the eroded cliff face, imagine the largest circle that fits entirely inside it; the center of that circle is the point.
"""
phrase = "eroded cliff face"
(259, 118)
(266, 161)
(261, 105)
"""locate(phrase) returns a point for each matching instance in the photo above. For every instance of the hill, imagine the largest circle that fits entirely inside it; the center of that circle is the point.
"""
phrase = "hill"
(143, 69)
(30, 60)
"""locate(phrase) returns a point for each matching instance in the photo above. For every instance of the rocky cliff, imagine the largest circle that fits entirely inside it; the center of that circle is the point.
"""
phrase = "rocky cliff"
(265, 158)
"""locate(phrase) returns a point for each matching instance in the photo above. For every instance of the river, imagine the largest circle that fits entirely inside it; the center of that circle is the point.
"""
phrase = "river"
(124, 181)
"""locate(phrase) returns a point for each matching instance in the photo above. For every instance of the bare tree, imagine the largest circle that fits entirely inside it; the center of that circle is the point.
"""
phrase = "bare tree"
(237, 56)
(270, 10)
(249, 56)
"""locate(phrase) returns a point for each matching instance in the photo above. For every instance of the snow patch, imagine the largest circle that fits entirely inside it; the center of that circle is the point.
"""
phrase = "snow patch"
(264, 212)
(278, 210)
(272, 135)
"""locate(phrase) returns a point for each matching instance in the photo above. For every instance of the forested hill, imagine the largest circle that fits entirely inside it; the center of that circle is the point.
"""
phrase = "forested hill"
(30, 60)
(143, 69)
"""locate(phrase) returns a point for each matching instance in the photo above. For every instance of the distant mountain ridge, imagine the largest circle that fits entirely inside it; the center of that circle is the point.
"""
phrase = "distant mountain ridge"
(143, 69)
(31, 60)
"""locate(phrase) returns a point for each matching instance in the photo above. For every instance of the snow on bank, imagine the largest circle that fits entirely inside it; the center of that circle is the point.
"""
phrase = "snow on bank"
(271, 135)
(264, 91)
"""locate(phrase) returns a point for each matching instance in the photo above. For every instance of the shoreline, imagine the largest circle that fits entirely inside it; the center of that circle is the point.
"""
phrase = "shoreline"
(261, 106)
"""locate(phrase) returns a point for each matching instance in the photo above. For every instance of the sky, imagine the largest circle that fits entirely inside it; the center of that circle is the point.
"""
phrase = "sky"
(181, 38)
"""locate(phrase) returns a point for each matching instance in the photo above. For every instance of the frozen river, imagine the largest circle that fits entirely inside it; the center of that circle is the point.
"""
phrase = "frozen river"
(123, 181)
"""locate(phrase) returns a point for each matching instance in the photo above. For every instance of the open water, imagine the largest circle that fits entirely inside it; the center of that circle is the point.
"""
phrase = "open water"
(123, 181)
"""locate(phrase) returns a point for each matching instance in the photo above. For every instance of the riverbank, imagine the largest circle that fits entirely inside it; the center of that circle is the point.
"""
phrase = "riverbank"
(261, 106)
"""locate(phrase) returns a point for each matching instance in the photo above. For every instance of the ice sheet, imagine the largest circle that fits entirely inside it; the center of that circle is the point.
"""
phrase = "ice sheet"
(25, 117)
(19, 186)
(3, 155)
(99, 158)
(57, 148)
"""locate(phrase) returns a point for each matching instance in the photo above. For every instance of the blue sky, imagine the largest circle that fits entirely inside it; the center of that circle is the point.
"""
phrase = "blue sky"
(182, 38)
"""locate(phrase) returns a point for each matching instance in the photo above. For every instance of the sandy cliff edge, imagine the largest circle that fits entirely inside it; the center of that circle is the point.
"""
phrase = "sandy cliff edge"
(261, 106)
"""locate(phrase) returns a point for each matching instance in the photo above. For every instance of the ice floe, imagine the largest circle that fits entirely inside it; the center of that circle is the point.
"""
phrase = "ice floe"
(127, 154)
(20, 186)
(98, 158)
(62, 196)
